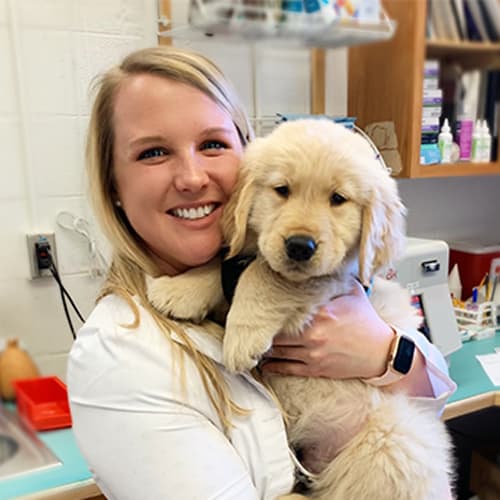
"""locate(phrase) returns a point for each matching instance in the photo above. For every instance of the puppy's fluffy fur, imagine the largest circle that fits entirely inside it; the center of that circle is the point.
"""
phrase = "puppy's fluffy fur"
(320, 182)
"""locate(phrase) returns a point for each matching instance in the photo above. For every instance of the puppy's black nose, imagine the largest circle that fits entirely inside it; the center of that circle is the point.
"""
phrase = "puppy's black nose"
(300, 247)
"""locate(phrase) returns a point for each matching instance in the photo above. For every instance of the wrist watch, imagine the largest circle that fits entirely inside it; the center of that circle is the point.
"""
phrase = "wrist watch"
(399, 361)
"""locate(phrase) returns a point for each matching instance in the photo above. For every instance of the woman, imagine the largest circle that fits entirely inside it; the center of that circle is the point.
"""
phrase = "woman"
(154, 411)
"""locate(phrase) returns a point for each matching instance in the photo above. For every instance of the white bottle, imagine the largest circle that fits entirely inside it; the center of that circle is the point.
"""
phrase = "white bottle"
(445, 140)
(455, 283)
(477, 143)
(485, 142)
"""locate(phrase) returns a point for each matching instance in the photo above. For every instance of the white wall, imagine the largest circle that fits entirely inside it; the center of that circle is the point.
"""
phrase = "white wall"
(49, 51)
(453, 208)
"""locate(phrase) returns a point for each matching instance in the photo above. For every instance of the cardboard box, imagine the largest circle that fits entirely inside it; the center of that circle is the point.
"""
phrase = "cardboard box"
(474, 259)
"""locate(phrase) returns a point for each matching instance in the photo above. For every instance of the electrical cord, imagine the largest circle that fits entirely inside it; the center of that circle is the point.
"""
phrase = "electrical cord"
(65, 294)
(81, 226)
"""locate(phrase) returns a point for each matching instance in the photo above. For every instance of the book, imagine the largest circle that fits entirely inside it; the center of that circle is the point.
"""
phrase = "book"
(490, 11)
(450, 84)
(475, 22)
(451, 21)
(457, 7)
(432, 97)
(470, 87)
(492, 107)
(429, 29)
(492, 97)
(443, 21)
(431, 112)
(482, 88)
(438, 29)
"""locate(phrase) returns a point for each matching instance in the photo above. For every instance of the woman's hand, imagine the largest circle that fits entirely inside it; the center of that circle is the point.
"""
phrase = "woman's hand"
(347, 339)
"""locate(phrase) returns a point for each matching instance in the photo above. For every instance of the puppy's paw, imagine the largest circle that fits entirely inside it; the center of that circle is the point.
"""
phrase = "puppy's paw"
(169, 296)
(243, 349)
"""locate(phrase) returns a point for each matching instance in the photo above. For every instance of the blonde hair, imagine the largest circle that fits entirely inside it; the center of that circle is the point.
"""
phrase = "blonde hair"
(131, 259)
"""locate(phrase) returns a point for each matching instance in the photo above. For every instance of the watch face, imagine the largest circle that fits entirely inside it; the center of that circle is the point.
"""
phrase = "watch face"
(404, 355)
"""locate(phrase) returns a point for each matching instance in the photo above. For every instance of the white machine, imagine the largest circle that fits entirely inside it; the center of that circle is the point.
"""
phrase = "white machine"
(424, 271)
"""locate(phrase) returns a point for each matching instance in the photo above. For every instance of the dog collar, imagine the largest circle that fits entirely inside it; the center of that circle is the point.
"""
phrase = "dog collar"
(231, 271)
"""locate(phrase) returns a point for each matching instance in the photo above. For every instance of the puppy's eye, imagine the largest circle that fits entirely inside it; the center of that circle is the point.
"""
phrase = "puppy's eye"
(337, 199)
(283, 191)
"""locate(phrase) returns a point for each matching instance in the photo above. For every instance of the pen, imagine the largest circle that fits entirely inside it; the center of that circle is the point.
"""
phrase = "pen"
(474, 295)
(485, 277)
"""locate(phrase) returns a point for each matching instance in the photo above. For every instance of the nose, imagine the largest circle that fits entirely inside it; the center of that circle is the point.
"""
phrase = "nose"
(300, 247)
(190, 175)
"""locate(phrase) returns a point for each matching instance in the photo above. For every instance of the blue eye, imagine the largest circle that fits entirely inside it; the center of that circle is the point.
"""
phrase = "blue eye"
(152, 153)
(213, 145)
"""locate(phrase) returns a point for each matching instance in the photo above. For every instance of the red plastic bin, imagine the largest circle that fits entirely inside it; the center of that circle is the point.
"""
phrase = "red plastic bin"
(474, 260)
(43, 402)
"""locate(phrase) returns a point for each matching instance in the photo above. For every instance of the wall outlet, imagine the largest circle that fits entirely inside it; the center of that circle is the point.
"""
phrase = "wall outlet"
(38, 245)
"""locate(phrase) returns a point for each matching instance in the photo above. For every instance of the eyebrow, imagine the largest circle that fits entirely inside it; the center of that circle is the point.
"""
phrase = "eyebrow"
(145, 140)
(158, 138)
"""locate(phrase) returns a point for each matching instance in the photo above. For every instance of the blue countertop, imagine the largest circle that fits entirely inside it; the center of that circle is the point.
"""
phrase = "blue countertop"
(468, 373)
(73, 468)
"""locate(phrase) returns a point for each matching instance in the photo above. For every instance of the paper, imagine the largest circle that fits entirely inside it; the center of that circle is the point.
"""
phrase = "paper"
(491, 365)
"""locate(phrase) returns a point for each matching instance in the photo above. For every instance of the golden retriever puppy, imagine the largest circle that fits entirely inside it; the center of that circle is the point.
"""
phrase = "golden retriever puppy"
(318, 211)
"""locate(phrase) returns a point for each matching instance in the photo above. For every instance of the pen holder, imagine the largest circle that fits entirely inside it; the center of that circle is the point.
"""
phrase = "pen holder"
(482, 314)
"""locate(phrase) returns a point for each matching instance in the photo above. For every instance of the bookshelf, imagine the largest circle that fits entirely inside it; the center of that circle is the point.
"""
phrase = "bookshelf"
(386, 81)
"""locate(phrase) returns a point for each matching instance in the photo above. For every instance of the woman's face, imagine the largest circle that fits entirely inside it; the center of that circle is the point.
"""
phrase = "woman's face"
(176, 157)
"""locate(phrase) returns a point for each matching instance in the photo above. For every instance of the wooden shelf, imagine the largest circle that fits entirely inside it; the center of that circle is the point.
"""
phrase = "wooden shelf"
(457, 169)
(469, 55)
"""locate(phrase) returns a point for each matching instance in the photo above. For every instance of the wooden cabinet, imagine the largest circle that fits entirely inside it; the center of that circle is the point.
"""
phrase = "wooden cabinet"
(385, 83)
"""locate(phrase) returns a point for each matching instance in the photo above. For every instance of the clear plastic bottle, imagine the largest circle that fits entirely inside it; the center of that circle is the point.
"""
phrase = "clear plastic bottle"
(445, 140)
(485, 142)
(477, 143)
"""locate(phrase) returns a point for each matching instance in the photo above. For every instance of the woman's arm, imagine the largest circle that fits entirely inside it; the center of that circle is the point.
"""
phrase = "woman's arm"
(349, 340)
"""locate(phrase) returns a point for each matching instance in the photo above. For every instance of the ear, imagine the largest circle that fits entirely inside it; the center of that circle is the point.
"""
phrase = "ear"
(237, 212)
(383, 230)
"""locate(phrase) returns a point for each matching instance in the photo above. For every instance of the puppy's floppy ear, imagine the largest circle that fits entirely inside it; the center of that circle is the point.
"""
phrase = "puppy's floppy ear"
(237, 212)
(383, 231)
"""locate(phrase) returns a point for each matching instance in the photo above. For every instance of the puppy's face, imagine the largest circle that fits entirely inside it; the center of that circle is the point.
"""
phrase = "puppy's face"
(311, 192)
(307, 220)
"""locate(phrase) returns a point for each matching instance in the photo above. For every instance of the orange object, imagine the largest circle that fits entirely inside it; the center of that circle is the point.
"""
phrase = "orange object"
(15, 363)
(43, 402)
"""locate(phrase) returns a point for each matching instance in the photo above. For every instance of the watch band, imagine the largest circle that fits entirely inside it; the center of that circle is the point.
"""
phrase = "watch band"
(399, 361)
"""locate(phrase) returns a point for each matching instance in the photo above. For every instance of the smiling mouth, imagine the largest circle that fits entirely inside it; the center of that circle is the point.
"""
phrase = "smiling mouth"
(193, 213)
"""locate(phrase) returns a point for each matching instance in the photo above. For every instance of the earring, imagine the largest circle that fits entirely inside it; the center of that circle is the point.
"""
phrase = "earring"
(118, 203)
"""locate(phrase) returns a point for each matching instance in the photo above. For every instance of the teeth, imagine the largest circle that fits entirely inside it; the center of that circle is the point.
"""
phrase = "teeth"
(194, 213)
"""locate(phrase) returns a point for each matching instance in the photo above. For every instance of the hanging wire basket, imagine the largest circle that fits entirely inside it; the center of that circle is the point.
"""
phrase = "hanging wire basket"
(269, 21)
